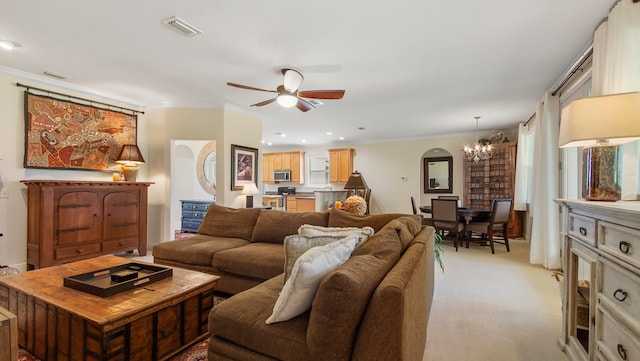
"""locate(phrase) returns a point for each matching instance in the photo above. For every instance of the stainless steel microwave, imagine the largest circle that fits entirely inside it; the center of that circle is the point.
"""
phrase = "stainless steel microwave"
(282, 175)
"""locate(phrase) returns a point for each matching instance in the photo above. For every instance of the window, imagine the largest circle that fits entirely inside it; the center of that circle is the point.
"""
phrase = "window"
(318, 171)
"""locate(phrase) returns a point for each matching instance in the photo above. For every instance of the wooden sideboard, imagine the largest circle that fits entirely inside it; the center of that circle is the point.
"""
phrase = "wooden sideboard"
(601, 262)
(74, 220)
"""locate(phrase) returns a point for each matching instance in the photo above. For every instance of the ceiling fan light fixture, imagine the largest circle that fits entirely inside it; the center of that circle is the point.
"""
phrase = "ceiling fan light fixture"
(287, 100)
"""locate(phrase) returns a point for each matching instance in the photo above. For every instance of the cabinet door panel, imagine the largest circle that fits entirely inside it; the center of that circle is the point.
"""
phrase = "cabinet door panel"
(121, 210)
(77, 218)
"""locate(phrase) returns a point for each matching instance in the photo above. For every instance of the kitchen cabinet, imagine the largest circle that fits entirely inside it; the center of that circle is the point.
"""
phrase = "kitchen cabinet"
(340, 165)
(601, 287)
(73, 220)
(495, 177)
(301, 204)
(293, 161)
(292, 204)
(267, 168)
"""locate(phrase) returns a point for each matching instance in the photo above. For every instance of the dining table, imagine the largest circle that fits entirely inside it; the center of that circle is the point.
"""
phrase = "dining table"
(467, 212)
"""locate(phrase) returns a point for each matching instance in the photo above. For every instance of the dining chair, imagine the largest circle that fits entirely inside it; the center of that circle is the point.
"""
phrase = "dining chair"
(497, 224)
(448, 197)
(425, 221)
(444, 213)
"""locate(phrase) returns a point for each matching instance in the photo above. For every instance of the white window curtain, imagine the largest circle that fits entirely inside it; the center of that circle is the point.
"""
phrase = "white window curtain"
(616, 69)
(545, 227)
(524, 165)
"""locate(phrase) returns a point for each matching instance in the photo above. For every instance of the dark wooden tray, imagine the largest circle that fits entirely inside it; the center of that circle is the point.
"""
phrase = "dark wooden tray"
(100, 282)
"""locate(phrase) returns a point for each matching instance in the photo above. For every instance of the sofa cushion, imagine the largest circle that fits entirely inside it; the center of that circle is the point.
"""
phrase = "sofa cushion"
(241, 320)
(394, 326)
(256, 260)
(273, 226)
(309, 269)
(314, 236)
(229, 222)
(340, 218)
(334, 318)
(198, 249)
(407, 228)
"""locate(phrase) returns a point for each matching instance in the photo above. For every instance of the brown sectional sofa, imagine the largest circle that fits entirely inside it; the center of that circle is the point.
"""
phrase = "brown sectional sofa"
(375, 306)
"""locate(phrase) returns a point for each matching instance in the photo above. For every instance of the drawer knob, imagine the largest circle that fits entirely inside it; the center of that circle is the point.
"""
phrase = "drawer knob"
(583, 231)
(620, 295)
(624, 247)
(622, 352)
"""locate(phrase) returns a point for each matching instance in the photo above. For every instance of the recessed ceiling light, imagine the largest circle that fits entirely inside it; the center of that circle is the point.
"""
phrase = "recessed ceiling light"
(269, 144)
(341, 138)
(329, 133)
(304, 141)
(8, 44)
(182, 26)
(53, 74)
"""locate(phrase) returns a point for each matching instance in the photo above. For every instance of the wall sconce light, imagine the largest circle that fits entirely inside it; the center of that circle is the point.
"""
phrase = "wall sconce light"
(600, 124)
(249, 190)
(130, 157)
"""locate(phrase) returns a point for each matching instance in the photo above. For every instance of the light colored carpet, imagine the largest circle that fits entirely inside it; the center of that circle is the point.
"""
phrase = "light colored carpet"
(494, 307)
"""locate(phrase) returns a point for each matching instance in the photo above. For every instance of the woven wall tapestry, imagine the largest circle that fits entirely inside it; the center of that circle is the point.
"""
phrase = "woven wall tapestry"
(62, 134)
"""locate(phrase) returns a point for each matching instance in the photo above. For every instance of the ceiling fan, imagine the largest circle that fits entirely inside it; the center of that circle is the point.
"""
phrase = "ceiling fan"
(289, 95)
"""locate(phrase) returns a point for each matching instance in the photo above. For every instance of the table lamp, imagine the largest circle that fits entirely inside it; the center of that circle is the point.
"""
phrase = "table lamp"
(130, 157)
(249, 190)
(356, 181)
(600, 124)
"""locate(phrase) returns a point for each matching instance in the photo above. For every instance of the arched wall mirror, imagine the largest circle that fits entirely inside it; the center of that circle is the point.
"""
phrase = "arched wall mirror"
(438, 171)
(206, 167)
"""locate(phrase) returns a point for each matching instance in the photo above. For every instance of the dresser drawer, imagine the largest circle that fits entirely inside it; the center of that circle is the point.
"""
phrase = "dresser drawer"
(77, 251)
(620, 291)
(120, 245)
(620, 241)
(583, 228)
(614, 340)
(195, 206)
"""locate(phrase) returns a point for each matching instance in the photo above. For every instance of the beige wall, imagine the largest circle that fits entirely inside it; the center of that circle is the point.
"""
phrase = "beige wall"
(156, 129)
(382, 164)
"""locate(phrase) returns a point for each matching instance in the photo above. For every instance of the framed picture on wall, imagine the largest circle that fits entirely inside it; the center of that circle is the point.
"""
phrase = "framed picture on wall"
(244, 166)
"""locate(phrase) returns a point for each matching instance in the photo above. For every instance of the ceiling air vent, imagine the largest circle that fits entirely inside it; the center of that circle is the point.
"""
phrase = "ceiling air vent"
(182, 26)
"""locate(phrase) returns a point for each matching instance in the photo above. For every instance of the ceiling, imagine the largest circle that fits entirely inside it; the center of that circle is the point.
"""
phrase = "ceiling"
(411, 69)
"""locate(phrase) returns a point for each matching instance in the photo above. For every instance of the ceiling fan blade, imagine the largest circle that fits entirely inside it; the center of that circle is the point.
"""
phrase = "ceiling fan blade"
(321, 94)
(292, 80)
(250, 87)
(264, 102)
(304, 105)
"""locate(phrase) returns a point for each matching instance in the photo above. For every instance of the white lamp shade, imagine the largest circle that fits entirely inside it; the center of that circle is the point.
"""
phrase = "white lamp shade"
(614, 118)
(287, 101)
(250, 189)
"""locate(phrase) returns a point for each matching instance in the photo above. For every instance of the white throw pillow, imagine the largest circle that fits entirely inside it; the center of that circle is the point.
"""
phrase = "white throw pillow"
(314, 236)
(309, 269)
(309, 230)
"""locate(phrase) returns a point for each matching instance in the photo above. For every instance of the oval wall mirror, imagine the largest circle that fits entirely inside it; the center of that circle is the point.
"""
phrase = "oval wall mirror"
(206, 167)
(438, 171)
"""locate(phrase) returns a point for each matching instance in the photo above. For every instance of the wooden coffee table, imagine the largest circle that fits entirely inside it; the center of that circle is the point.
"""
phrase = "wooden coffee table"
(152, 322)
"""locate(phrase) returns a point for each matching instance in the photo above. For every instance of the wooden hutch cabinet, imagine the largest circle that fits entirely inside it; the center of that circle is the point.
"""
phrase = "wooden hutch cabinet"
(493, 178)
(74, 220)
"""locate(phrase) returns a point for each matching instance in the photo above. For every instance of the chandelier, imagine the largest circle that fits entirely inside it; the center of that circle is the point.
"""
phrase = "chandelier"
(478, 151)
